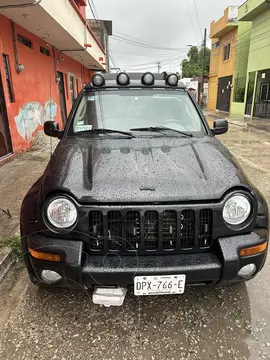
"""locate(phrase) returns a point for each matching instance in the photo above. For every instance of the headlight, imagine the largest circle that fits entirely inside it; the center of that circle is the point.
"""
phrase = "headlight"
(236, 210)
(62, 213)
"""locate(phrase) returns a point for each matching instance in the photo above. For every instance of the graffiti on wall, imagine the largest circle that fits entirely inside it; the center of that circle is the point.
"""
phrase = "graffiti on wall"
(32, 115)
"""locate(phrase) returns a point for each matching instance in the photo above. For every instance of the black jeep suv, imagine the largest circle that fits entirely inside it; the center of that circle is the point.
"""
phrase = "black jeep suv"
(140, 192)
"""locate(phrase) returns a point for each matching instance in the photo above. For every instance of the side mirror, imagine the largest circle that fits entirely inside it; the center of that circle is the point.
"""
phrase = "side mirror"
(221, 126)
(51, 128)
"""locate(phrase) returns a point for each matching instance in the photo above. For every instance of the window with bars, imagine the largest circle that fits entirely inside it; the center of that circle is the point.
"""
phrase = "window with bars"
(44, 51)
(23, 40)
(72, 88)
(264, 92)
(227, 52)
(8, 78)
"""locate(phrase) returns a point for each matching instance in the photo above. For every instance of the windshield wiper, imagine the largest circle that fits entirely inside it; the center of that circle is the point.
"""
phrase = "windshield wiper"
(160, 129)
(107, 131)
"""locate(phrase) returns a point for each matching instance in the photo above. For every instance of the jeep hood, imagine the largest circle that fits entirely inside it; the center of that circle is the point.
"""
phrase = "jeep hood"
(142, 170)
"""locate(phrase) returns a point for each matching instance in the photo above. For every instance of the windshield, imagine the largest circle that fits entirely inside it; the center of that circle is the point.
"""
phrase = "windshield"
(126, 109)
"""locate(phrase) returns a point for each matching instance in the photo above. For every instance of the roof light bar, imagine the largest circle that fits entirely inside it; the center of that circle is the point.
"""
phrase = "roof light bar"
(123, 79)
(172, 80)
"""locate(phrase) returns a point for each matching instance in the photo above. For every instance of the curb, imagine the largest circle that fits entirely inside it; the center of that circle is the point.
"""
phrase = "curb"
(7, 259)
(261, 127)
(237, 123)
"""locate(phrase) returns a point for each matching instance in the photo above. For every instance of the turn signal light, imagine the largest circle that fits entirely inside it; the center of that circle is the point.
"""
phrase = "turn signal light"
(253, 250)
(44, 256)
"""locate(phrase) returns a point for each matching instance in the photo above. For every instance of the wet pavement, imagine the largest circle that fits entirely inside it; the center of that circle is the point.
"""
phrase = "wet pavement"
(230, 322)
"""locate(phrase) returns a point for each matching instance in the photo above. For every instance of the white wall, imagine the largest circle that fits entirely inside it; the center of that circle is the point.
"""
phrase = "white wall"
(63, 12)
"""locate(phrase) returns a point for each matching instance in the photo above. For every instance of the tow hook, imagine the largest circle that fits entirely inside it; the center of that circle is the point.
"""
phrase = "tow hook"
(109, 296)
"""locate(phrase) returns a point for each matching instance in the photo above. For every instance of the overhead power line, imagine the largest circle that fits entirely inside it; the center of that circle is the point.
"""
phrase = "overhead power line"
(191, 21)
(199, 23)
(112, 58)
(143, 44)
(94, 8)
(91, 6)
(164, 60)
(136, 40)
(139, 67)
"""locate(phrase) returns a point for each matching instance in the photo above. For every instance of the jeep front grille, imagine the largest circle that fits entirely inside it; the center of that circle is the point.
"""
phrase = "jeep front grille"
(206, 221)
(96, 231)
(132, 230)
(169, 234)
(187, 229)
(151, 230)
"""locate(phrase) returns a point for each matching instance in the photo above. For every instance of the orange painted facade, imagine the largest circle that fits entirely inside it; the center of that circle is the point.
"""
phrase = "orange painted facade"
(222, 33)
(36, 92)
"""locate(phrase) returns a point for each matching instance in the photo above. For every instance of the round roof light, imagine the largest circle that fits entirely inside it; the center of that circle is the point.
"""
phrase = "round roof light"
(123, 79)
(172, 80)
(148, 79)
(98, 80)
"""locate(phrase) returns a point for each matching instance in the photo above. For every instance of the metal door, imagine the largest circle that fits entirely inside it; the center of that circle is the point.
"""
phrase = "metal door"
(224, 93)
(5, 139)
(262, 105)
(62, 95)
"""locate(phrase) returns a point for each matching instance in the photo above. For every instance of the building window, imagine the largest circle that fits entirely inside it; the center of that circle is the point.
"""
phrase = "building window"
(227, 51)
(72, 88)
(239, 89)
(23, 40)
(44, 51)
(264, 96)
(8, 78)
(215, 45)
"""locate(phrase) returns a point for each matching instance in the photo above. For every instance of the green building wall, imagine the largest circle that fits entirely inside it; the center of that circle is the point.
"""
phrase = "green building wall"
(240, 68)
(258, 66)
(259, 54)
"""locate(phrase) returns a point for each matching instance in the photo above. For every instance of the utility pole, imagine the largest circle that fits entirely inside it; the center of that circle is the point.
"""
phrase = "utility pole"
(203, 66)
(158, 67)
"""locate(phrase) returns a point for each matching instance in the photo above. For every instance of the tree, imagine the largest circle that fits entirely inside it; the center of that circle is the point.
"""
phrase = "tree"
(192, 67)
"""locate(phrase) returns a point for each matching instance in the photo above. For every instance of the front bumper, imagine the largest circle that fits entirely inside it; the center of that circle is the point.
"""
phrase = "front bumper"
(80, 269)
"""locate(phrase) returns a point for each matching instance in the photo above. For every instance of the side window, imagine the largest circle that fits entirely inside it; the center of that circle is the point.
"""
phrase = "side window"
(227, 52)
(86, 114)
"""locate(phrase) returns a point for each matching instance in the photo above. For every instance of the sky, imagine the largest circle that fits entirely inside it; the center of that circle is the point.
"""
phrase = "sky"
(172, 24)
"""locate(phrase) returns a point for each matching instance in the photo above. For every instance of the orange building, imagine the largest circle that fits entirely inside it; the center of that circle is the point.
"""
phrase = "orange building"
(48, 52)
(223, 34)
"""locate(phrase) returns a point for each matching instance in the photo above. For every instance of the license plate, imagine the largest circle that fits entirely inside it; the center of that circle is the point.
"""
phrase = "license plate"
(159, 285)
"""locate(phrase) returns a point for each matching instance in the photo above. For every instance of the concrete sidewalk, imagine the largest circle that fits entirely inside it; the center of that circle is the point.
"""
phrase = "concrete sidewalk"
(245, 122)
(16, 177)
